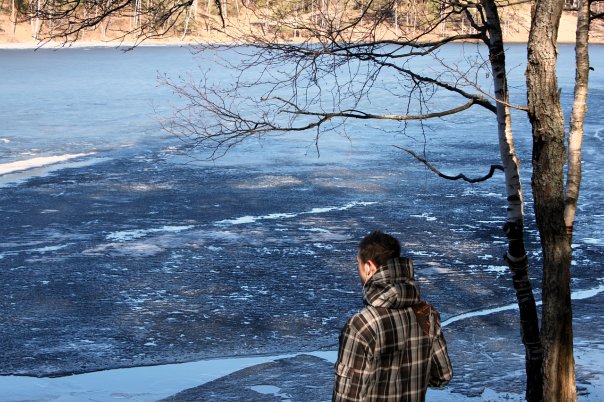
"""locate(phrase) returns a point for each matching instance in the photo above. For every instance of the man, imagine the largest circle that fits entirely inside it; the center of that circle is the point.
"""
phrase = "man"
(392, 349)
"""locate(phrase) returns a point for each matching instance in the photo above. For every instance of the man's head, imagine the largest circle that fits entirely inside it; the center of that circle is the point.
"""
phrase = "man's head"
(375, 250)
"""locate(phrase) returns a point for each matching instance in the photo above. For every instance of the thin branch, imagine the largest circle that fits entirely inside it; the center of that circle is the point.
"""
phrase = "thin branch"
(357, 114)
(462, 77)
(459, 176)
(476, 98)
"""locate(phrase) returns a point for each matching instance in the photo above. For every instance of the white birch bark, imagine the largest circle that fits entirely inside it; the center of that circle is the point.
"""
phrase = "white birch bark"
(575, 136)
(13, 17)
(516, 258)
(186, 28)
(509, 159)
(396, 18)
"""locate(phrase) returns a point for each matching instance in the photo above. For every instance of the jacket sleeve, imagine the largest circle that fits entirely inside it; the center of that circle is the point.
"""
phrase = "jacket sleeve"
(351, 366)
(441, 370)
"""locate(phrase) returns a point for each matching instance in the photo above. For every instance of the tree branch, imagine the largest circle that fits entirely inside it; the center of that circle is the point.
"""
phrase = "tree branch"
(357, 114)
(476, 98)
(459, 176)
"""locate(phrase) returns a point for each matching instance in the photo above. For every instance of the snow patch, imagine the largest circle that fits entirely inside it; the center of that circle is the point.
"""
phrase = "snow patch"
(49, 248)
(577, 295)
(38, 162)
(592, 241)
(425, 216)
(135, 249)
(271, 390)
(498, 269)
(285, 215)
(587, 293)
(270, 181)
(128, 235)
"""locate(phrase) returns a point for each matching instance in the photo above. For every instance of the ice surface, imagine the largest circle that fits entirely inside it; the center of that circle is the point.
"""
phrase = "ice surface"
(271, 390)
(143, 384)
(140, 384)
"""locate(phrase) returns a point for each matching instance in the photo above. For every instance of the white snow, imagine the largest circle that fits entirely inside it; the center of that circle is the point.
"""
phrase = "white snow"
(285, 215)
(271, 181)
(38, 162)
(577, 295)
(425, 216)
(587, 293)
(48, 249)
(592, 241)
(127, 235)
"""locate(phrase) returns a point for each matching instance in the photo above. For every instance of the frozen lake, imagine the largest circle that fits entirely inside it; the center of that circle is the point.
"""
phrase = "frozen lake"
(119, 251)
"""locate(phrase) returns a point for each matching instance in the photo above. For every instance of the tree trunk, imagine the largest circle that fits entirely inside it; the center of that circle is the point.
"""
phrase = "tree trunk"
(549, 155)
(13, 17)
(516, 257)
(575, 136)
(186, 28)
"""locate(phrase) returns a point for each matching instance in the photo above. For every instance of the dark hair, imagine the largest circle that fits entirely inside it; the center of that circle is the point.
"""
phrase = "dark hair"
(379, 248)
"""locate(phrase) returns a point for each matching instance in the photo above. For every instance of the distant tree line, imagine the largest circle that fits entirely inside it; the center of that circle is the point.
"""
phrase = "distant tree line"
(68, 20)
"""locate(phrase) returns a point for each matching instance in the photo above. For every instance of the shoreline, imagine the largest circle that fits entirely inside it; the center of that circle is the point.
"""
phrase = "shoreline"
(515, 32)
(516, 39)
(150, 43)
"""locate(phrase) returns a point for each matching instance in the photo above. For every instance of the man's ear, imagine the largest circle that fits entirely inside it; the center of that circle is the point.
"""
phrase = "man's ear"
(372, 267)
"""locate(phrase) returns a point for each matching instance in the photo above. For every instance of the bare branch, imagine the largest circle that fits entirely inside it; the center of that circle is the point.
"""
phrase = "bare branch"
(460, 176)
(358, 114)
(476, 98)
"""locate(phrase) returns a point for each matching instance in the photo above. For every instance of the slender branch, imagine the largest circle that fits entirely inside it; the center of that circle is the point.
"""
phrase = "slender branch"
(469, 82)
(358, 114)
(459, 176)
(476, 98)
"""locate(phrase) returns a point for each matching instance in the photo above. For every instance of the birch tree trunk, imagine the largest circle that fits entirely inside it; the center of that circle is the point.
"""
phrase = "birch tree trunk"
(516, 257)
(37, 22)
(13, 17)
(396, 17)
(575, 136)
(549, 155)
(186, 28)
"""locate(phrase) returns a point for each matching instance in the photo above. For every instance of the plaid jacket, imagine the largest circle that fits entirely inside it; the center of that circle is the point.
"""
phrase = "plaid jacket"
(392, 349)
